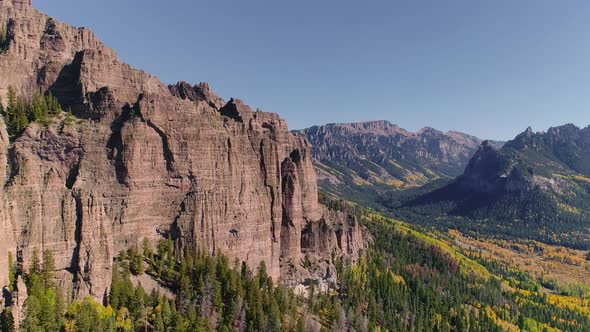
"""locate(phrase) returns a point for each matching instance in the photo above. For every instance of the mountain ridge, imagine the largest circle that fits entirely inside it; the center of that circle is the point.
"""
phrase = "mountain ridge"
(539, 179)
(359, 159)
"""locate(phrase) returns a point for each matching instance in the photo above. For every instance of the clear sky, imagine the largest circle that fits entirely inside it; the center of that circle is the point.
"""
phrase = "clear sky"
(488, 68)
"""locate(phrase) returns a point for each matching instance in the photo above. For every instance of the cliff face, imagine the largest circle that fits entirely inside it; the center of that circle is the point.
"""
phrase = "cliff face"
(144, 160)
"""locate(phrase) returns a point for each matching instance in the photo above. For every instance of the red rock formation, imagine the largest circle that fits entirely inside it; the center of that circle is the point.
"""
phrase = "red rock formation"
(143, 160)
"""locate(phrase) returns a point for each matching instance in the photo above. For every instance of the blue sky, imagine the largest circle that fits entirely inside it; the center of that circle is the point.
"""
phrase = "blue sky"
(488, 68)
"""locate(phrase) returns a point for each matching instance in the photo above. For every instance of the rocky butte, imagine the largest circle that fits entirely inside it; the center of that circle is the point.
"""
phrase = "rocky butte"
(146, 160)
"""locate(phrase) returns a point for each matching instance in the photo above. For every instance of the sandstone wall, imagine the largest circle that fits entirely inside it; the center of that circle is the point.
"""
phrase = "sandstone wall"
(145, 160)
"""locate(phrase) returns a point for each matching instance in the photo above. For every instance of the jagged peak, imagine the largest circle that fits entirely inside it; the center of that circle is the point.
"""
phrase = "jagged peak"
(387, 128)
(565, 130)
(528, 133)
(565, 127)
(363, 124)
(463, 138)
(378, 127)
(237, 110)
(204, 86)
(201, 91)
(485, 147)
(428, 130)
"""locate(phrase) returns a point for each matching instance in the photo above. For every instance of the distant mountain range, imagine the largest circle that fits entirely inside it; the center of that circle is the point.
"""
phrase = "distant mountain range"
(536, 186)
(360, 160)
(554, 161)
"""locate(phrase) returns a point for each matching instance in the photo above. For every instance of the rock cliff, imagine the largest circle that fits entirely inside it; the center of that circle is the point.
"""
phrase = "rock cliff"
(146, 160)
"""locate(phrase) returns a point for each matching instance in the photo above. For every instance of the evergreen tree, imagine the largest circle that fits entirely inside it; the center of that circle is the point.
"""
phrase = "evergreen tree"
(69, 119)
(11, 273)
(300, 327)
(3, 38)
(21, 110)
(32, 311)
(87, 318)
(405, 281)
(35, 265)
(7, 320)
(147, 249)
(135, 261)
(47, 269)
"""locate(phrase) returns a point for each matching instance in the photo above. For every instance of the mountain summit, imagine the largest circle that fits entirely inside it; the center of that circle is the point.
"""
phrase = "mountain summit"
(353, 158)
(537, 185)
(531, 161)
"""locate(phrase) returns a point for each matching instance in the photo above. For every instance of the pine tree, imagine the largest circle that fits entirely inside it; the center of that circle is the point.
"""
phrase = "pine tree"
(11, 273)
(137, 305)
(22, 110)
(265, 280)
(300, 327)
(32, 310)
(159, 325)
(35, 267)
(7, 320)
(53, 106)
(69, 119)
(87, 318)
(135, 261)
(147, 249)
(37, 108)
(3, 38)
(21, 119)
(166, 311)
(170, 254)
(10, 110)
(11, 95)
(47, 269)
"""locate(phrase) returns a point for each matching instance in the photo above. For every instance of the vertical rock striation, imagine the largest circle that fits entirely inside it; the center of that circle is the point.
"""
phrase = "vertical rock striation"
(146, 160)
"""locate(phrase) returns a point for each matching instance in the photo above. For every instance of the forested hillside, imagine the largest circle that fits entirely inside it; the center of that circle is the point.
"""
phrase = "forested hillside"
(410, 280)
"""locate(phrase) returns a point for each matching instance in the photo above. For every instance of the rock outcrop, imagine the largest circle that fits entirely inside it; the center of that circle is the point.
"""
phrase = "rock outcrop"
(145, 160)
